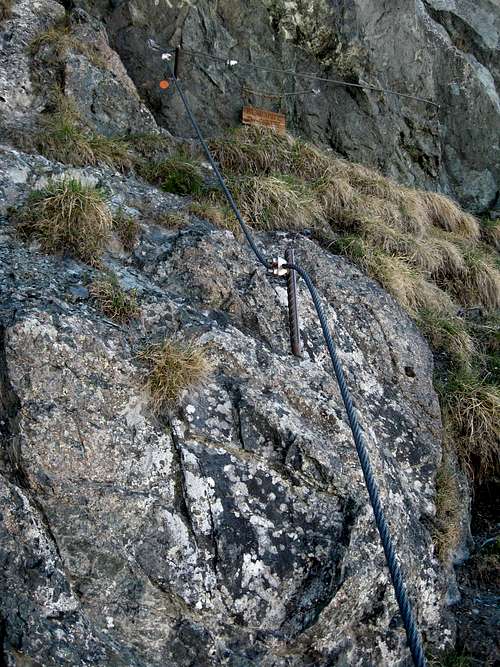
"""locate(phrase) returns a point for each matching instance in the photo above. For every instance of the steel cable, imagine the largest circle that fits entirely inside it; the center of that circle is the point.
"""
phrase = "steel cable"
(260, 256)
(412, 633)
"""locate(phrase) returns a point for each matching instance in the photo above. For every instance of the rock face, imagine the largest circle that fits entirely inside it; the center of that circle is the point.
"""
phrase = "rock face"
(95, 79)
(444, 50)
(234, 530)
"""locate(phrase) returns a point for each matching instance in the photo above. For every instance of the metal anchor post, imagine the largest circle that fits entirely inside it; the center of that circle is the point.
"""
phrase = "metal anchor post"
(293, 312)
(177, 61)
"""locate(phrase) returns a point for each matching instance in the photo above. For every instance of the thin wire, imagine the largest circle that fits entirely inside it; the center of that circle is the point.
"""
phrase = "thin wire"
(312, 77)
(273, 96)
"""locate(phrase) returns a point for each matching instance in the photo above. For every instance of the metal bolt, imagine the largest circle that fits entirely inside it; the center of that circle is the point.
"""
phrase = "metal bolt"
(293, 313)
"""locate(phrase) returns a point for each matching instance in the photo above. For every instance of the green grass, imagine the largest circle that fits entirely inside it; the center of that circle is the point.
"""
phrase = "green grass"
(175, 174)
(67, 217)
(65, 137)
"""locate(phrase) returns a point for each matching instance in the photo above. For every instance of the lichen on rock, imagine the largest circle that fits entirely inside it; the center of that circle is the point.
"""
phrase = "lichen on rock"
(227, 523)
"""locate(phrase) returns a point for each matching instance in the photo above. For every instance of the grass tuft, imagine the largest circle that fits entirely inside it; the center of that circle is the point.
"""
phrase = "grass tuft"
(490, 232)
(276, 202)
(451, 659)
(148, 143)
(5, 9)
(67, 216)
(486, 563)
(408, 285)
(449, 512)
(113, 301)
(172, 220)
(471, 409)
(446, 214)
(61, 39)
(434, 258)
(447, 332)
(64, 137)
(176, 174)
(260, 151)
(173, 367)
(429, 248)
(127, 229)
(480, 281)
(220, 216)
(486, 331)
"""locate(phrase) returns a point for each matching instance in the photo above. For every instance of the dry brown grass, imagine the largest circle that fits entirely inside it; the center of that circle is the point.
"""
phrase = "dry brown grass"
(276, 202)
(408, 285)
(446, 214)
(449, 510)
(260, 151)
(172, 219)
(490, 232)
(486, 564)
(480, 281)
(173, 367)
(152, 145)
(113, 301)
(421, 246)
(5, 9)
(67, 216)
(220, 216)
(396, 274)
(472, 412)
(61, 40)
(448, 333)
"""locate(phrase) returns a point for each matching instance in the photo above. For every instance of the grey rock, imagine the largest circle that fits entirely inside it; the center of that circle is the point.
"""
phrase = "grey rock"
(96, 80)
(444, 51)
(235, 529)
(20, 173)
(21, 99)
(102, 90)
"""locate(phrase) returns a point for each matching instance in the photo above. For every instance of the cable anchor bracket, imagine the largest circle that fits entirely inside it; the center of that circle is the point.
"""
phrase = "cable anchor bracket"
(279, 267)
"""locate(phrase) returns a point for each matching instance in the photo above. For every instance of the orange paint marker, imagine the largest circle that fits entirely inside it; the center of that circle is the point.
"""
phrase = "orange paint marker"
(164, 85)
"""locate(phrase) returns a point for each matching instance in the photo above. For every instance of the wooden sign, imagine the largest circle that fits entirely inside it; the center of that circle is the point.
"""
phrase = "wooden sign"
(254, 116)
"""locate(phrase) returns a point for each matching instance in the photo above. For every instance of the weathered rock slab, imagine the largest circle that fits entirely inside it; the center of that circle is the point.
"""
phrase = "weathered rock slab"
(236, 529)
